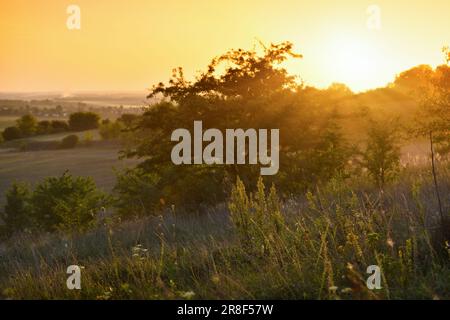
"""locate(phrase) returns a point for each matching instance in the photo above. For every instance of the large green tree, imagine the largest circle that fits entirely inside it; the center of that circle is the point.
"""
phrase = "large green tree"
(240, 89)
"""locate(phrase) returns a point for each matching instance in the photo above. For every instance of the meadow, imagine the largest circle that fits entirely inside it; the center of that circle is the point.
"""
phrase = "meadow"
(363, 181)
(313, 246)
(97, 160)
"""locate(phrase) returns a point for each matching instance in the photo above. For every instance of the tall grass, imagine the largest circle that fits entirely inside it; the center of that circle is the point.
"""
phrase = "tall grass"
(315, 246)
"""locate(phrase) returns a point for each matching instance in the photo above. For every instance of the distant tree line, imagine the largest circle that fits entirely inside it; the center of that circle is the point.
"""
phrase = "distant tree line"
(28, 125)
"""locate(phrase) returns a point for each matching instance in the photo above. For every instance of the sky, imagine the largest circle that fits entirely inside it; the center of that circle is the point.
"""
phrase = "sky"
(134, 44)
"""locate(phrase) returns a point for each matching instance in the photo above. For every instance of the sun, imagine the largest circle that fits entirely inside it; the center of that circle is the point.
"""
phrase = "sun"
(355, 62)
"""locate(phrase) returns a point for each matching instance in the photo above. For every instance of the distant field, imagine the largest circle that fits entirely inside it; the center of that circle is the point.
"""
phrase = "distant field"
(36, 165)
(7, 122)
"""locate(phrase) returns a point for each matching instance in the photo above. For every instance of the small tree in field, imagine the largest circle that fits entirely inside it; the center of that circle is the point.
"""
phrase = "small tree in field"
(27, 125)
(80, 121)
(66, 203)
(382, 154)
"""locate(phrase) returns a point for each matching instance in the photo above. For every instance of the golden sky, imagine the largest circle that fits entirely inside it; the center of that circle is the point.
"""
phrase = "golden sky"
(132, 44)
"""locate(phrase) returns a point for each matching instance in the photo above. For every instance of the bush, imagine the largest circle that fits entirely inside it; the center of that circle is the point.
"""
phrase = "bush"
(128, 119)
(16, 215)
(44, 127)
(57, 203)
(88, 138)
(111, 130)
(66, 203)
(69, 141)
(81, 121)
(137, 193)
(27, 125)
(11, 133)
(59, 126)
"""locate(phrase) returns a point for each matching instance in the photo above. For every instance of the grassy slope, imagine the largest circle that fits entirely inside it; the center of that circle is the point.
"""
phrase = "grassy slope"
(320, 250)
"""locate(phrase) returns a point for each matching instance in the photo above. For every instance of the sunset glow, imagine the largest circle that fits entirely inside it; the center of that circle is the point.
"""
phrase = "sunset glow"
(131, 45)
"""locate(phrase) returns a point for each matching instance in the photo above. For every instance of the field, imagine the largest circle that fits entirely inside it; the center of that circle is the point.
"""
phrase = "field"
(7, 122)
(98, 162)
(318, 248)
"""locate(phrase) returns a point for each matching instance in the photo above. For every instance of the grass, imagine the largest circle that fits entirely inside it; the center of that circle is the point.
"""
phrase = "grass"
(33, 166)
(315, 246)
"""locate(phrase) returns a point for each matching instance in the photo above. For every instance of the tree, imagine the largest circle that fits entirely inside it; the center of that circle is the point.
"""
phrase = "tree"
(434, 117)
(415, 81)
(240, 89)
(247, 74)
(382, 154)
(81, 121)
(66, 202)
(27, 125)
(11, 133)
(43, 127)
(128, 119)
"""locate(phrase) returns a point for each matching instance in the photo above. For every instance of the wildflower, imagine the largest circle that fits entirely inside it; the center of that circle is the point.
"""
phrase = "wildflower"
(390, 242)
(333, 289)
(215, 279)
(346, 290)
(188, 294)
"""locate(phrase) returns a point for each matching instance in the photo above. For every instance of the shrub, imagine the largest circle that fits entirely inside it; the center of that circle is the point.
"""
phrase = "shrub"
(11, 133)
(111, 130)
(88, 138)
(59, 126)
(81, 121)
(64, 203)
(382, 154)
(27, 125)
(69, 141)
(16, 215)
(128, 119)
(137, 192)
(44, 127)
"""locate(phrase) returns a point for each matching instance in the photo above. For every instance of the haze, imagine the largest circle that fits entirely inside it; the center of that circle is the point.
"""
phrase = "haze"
(131, 45)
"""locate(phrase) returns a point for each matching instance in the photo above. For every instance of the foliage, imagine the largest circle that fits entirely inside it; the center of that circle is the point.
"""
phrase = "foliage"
(16, 215)
(253, 91)
(11, 133)
(88, 137)
(381, 156)
(59, 126)
(43, 127)
(137, 192)
(317, 246)
(256, 218)
(247, 75)
(80, 121)
(57, 203)
(111, 130)
(27, 125)
(435, 116)
(69, 141)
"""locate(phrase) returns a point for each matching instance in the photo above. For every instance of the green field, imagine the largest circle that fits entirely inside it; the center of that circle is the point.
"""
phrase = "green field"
(7, 122)
(33, 166)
